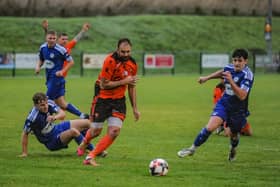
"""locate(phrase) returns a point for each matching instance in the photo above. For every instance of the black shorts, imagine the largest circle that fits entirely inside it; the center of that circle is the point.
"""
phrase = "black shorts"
(105, 108)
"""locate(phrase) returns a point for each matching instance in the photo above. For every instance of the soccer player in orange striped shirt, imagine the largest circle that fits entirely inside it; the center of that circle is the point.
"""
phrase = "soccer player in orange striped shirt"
(118, 74)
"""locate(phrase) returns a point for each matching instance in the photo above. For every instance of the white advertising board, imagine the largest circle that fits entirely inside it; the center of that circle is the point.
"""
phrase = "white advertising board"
(215, 60)
(93, 61)
(26, 60)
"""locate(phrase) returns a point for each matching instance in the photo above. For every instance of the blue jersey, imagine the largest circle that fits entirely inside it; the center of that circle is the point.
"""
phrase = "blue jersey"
(36, 122)
(243, 79)
(53, 58)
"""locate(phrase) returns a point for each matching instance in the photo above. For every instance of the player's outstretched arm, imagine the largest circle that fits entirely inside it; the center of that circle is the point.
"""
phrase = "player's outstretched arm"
(80, 35)
(215, 75)
(45, 25)
(24, 144)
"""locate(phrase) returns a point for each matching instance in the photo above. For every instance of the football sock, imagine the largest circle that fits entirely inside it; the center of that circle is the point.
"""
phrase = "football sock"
(84, 132)
(201, 137)
(102, 145)
(79, 139)
(234, 141)
(193, 147)
(72, 109)
(90, 146)
(88, 137)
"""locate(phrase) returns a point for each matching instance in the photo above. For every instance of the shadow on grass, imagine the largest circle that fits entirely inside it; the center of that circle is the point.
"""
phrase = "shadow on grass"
(53, 155)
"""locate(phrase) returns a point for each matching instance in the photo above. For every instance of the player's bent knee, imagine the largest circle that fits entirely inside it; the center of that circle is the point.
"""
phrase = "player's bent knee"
(75, 132)
(114, 132)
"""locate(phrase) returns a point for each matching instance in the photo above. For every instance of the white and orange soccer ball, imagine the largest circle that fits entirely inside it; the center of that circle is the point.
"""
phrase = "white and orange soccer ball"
(158, 167)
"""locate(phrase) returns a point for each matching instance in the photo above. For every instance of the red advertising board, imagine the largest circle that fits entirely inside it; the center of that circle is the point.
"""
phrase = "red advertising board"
(159, 61)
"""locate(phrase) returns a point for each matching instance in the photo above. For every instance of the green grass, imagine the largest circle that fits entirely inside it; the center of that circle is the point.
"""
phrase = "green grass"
(173, 109)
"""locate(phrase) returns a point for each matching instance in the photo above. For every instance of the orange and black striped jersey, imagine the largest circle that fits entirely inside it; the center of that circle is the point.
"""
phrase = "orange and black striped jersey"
(114, 70)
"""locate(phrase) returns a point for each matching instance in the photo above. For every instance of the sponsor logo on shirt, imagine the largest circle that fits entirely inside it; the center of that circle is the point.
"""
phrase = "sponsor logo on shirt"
(49, 64)
(51, 55)
(236, 79)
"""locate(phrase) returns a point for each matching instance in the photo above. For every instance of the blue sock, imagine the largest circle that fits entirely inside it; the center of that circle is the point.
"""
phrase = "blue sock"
(201, 137)
(90, 146)
(72, 109)
(79, 139)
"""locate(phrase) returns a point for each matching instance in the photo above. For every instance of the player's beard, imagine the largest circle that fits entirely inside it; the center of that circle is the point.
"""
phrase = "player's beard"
(123, 59)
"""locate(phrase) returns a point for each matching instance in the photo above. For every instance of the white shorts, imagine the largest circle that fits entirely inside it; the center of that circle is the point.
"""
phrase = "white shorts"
(112, 121)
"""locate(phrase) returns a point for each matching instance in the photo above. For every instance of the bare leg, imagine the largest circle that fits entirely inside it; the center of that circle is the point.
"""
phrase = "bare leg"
(68, 135)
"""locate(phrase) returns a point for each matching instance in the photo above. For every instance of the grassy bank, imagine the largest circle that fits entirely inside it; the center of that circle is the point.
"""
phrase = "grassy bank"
(148, 32)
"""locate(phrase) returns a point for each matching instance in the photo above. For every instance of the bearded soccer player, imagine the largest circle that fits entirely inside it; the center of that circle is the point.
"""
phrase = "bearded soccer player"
(119, 73)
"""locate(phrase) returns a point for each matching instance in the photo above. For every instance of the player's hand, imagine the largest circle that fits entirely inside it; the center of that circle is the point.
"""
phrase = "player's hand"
(45, 24)
(59, 74)
(137, 115)
(22, 155)
(131, 80)
(227, 75)
(51, 118)
(202, 80)
(86, 27)
(37, 70)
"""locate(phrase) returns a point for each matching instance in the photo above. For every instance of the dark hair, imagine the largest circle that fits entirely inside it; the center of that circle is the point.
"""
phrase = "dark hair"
(62, 34)
(38, 97)
(124, 40)
(240, 53)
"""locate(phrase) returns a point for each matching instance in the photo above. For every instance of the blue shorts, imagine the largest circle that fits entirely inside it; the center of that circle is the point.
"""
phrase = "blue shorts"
(54, 142)
(234, 120)
(56, 88)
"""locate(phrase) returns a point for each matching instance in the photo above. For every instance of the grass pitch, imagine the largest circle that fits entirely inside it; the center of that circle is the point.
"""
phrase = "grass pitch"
(174, 109)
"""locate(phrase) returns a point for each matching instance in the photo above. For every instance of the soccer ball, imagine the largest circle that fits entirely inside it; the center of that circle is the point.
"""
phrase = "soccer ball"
(158, 167)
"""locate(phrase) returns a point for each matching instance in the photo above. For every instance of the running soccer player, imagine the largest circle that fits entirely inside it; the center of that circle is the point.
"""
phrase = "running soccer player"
(64, 41)
(232, 107)
(54, 55)
(218, 93)
(40, 122)
(118, 73)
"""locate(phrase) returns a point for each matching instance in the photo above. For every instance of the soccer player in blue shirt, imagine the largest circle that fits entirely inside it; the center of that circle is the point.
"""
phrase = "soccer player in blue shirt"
(232, 108)
(53, 56)
(40, 122)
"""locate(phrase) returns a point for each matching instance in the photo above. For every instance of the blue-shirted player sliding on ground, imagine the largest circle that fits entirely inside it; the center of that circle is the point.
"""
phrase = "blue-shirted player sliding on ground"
(40, 122)
(232, 107)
